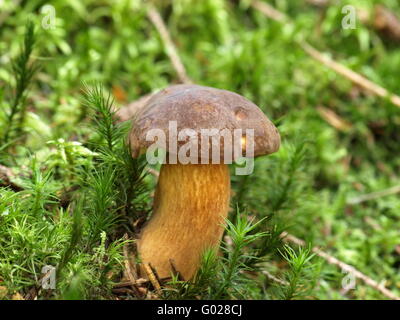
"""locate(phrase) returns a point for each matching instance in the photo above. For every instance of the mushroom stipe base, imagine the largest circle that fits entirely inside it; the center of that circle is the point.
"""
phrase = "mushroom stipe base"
(191, 203)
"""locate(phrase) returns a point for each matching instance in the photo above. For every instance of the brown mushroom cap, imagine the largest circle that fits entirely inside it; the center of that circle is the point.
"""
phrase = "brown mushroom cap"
(198, 107)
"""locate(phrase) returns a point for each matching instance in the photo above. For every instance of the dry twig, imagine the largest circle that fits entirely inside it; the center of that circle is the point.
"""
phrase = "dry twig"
(269, 11)
(330, 63)
(152, 277)
(334, 119)
(130, 272)
(171, 51)
(275, 279)
(351, 75)
(138, 282)
(374, 195)
(318, 3)
(127, 112)
(344, 266)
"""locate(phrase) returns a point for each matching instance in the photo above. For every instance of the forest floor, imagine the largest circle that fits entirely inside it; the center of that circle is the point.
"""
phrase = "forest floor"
(320, 219)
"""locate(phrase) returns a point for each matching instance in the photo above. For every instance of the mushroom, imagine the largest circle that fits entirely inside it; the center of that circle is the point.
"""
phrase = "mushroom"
(191, 200)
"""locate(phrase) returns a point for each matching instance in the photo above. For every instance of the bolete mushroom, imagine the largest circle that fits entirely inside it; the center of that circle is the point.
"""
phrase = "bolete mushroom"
(191, 200)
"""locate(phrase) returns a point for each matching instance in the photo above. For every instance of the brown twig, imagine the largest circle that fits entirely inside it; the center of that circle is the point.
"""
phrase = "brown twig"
(275, 279)
(123, 291)
(318, 3)
(127, 112)
(351, 75)
(170, 49)
(330, 63)
(334, 119)
(152, 277)
(153, 172)
(129, 271)
(269, 11)
(138, 282)
(374, 195)
(344, 266)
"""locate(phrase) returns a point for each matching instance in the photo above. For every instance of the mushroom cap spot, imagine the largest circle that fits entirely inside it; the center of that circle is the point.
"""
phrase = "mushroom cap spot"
(240, 114)
(198, 107)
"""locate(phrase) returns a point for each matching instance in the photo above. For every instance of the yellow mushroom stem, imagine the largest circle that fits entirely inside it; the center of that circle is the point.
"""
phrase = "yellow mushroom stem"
(190, 204)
